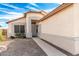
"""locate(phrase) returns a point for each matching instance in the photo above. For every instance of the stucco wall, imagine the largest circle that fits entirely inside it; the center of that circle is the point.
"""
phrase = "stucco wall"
(34, 16)
(76, 21)
(60, 23)
(76, 27)
(59, 29)
(11, 26)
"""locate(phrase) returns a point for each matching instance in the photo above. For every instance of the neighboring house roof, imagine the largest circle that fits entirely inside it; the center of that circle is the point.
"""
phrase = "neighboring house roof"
(41, 12)
(55, 11)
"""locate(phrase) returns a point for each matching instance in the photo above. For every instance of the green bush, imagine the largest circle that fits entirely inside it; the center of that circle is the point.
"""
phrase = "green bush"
(20, 35)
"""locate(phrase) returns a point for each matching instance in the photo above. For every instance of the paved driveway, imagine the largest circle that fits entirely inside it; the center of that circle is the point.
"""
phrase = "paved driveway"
(23, 47)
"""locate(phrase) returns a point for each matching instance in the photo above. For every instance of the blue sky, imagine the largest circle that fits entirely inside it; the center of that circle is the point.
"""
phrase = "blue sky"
(9, 11)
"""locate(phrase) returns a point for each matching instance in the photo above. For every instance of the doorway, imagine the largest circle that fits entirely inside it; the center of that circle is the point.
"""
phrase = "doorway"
(34, 29)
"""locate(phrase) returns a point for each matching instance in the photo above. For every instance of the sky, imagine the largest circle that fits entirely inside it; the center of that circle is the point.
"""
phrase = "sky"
(10, 11)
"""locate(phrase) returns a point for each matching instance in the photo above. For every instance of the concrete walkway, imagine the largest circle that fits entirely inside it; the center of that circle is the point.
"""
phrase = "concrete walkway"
(23, 47)
(49, 50)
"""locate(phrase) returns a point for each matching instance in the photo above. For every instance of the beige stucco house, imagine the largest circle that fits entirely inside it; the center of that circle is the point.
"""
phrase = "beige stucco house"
(25, 25)
(60, 27)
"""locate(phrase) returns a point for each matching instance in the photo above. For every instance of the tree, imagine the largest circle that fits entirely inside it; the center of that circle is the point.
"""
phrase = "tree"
(1, 36)
(0, 26)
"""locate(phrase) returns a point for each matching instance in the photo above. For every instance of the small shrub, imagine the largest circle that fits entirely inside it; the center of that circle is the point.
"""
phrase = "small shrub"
(24, 37)
(12, 37)
(20, 35)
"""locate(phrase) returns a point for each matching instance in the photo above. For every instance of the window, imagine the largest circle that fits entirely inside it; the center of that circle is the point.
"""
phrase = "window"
(19, 28)
(22, 29)
(16, 28)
